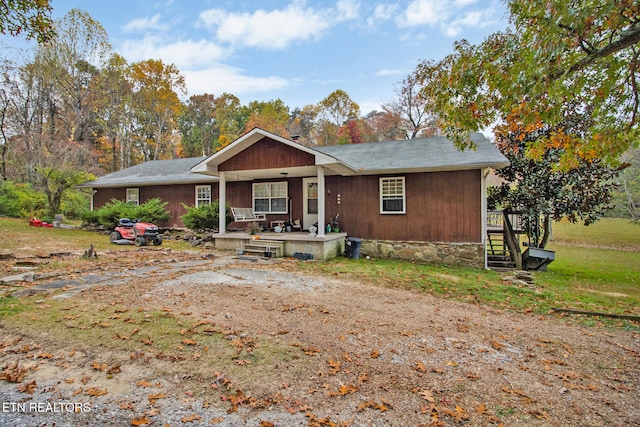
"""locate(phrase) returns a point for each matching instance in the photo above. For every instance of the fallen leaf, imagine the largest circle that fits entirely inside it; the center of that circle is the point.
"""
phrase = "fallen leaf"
(144, 383)
(141, 421)
(428, 396)
(420, 367)
(154, 397)
(94, 391)
(28, 388)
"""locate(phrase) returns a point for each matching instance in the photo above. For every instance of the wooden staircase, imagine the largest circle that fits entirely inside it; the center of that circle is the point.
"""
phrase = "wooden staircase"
(503, 247)
(498, 255)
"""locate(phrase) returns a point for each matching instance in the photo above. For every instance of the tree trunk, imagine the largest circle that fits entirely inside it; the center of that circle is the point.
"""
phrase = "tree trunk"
(546, 231)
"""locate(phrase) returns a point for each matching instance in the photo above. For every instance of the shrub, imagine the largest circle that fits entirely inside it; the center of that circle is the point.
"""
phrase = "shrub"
(152, 211)
(203, 217)
(21, 201)
(74, 202)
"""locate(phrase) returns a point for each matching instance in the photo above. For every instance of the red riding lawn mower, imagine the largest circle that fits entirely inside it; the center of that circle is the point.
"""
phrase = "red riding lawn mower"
(135, 232)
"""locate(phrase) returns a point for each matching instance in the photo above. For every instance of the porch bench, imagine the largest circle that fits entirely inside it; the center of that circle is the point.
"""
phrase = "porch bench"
(260, 246)
(246, 215)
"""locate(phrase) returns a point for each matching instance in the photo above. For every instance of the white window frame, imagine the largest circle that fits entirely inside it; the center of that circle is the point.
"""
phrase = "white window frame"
(398, 182)
(270, 190)
(133, 196)
(200, 201)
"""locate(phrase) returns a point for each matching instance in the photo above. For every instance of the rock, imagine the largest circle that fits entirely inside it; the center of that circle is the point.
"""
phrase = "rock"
(24, 277)
(7, 255)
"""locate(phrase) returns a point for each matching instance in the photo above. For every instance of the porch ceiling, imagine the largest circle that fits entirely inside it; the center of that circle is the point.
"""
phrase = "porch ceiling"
(283, 173)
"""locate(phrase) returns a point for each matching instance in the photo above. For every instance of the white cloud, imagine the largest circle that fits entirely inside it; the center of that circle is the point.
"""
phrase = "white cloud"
(348, 10)
(221, 78)
(388, 72)
(182, 53)
(425, 12)
(476, 18)
(381, 13)
(278, 28)
(451, 16)
(145, 24)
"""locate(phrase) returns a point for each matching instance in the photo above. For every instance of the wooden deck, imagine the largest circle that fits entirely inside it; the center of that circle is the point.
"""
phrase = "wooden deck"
(324, 247)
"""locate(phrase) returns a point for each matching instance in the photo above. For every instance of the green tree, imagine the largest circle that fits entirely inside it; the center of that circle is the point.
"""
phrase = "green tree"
(55, 182)
(540, 191)
(272, 116)
(230, 118)
(333, 112)
(198, 126)
(114, 104)
(560, 57)
(32, 17)
(627, 195)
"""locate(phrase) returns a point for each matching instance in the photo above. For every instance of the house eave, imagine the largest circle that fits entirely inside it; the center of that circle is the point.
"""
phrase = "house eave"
(440, 168)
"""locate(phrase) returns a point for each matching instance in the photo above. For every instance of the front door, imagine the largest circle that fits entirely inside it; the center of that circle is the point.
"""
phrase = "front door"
(310, 200)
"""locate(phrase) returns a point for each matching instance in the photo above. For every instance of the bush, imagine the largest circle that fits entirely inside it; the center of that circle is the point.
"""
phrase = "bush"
(204, 217)
(152, 211)
(74, 202)
(21, 201)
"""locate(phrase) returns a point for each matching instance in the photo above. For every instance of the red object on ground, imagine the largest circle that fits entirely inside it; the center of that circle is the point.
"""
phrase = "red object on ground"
(35, 222)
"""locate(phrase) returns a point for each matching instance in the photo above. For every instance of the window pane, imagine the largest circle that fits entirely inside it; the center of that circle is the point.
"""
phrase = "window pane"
(261, 205)
(278, 205)
(392, 194)
(392, 205)
(261, 190)
(279, 189)
(312, 206)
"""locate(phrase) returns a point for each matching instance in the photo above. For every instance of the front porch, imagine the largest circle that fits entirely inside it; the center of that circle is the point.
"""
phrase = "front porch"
(321, 247)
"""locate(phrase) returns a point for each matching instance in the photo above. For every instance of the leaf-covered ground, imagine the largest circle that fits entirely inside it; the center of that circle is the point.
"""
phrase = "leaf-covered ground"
(238, 342)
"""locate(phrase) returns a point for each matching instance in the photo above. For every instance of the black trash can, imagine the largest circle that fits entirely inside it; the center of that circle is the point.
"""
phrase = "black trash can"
(353, 247)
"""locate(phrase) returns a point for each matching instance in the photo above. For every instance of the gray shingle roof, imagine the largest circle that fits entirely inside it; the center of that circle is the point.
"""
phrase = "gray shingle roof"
(424, 154)
(177, 171)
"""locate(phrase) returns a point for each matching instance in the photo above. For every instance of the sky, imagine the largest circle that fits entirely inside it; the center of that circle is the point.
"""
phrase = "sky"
(294, 50)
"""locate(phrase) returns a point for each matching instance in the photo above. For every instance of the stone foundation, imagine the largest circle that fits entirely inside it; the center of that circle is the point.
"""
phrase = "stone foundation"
(467, 254)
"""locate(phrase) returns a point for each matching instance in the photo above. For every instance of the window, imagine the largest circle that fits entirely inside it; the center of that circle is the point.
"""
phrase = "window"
(203, 195)
(270, 197)
(392, 195)
(133, 196)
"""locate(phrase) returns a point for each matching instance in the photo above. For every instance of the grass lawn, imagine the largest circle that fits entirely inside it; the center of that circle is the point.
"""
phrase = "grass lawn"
(597, 268)
(598, 265)
(19, 237)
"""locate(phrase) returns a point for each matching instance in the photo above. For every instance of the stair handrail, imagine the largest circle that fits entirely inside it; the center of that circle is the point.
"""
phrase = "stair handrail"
(512, 241)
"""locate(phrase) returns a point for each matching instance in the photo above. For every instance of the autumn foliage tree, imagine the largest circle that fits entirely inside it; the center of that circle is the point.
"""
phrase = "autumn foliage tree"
(559, 57)
(30, 17)
(533, 184)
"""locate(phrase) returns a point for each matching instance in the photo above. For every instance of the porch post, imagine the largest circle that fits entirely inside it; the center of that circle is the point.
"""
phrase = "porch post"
(321, 201)
(222, 201)
(484, 173)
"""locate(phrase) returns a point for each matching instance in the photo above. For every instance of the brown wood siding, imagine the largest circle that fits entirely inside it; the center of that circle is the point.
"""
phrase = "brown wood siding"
(267, 154)
(440, 207)
(240, 194)
(174, 195)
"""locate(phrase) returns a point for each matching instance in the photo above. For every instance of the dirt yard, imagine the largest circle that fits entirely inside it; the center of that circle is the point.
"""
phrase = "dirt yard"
(304, 350)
